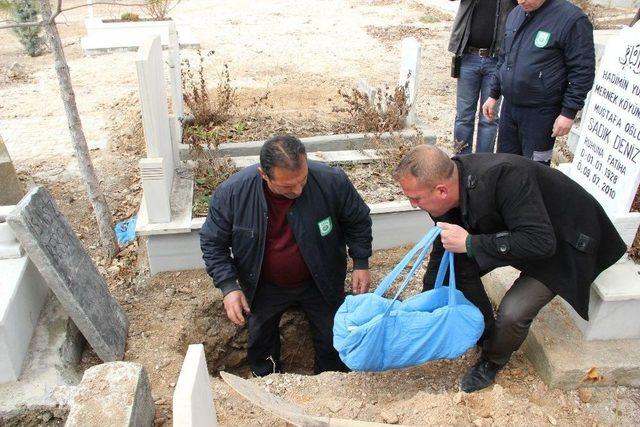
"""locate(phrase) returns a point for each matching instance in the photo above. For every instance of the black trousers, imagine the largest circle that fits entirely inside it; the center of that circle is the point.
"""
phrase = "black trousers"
(269, 304)
(526, 131)
(519, 306)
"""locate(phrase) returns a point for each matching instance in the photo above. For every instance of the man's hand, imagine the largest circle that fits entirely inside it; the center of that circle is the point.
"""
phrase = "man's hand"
(489, 108)
(360, 281)
(453, 237)
(561, 126)
(235, 303)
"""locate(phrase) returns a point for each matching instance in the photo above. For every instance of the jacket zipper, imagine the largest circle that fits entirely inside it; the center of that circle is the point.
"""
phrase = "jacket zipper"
(263, 242)
(525, 22)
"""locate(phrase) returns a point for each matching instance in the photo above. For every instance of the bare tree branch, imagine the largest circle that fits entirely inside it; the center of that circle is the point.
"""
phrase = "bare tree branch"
(57, 12)
(22, 24)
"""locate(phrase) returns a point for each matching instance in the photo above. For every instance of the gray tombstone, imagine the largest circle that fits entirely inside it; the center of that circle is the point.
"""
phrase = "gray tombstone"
(11, 190)
(68, 270)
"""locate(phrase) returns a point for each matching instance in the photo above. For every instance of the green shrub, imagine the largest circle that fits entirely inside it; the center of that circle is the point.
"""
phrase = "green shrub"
(27, 11)
(130, 16)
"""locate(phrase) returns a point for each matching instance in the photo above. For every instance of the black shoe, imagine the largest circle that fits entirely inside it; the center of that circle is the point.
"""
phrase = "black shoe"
(479, 376)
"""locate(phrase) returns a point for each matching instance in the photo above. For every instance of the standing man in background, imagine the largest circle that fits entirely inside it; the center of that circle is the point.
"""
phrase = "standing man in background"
(475, 41)
(545, 70)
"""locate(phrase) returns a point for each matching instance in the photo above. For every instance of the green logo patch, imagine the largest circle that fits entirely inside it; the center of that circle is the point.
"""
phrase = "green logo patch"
(325, 226)
(542, 38)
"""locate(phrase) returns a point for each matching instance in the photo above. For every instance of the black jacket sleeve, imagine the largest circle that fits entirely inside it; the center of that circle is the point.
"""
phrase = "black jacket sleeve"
(356, 223)
(529, 233)
(580, 62)
(215, 242)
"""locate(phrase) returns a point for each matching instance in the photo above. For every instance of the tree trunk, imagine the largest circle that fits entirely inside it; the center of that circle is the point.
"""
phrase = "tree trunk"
(96, 197)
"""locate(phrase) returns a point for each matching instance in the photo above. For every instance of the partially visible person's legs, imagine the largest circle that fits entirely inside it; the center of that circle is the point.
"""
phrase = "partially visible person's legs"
(320, 316)
(263, 347)
(467, 95)
(536, 127)
(518, 308)
(508, 131)
(485, 141)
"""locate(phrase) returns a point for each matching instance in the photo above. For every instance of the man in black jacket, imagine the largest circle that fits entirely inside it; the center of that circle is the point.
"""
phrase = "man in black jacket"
(503, 209)
(275, 237)
(475, 41)
(546, 68)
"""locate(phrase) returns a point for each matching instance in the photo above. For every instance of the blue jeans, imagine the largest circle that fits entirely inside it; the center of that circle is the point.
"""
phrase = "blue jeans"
(474, 83)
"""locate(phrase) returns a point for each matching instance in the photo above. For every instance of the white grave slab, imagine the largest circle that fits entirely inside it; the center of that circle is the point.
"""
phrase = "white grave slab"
(105, 34)
(410, 74)
(607, 164)
(192, 399)
(22, 295)
(334, 157)
(157, 171)
(607, 158)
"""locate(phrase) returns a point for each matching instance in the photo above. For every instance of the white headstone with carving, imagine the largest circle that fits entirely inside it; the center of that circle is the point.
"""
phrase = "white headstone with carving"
(409, 74)
(607, 158)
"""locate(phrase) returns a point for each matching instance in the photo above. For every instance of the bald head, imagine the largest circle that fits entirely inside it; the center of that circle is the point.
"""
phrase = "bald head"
(427, 164)
(429, 179)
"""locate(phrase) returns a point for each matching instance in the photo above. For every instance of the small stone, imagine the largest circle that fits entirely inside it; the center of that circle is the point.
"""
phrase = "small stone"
(334, 406)
(585, 394)
(268, 381)
(390, 417)
(457, 398)
(169, 292)
(552, 420)
(498, 389)
(477, 422)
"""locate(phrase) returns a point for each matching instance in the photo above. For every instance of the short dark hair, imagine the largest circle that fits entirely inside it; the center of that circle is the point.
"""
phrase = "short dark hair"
(282, 151)
(427, 163)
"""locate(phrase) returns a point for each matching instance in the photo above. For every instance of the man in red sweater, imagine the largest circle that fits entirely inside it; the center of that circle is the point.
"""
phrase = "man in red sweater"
(287, 223)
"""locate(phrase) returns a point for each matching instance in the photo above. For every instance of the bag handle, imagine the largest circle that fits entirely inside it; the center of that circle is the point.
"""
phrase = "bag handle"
(425, 242)
(447, 261)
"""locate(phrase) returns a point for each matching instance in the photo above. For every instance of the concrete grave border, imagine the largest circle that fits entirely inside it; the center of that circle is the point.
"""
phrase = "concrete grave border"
(103, 36)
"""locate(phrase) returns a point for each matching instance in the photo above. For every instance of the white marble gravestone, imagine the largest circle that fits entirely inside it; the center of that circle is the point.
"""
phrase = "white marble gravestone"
(157, 169)
(22, 296)
(192, 400)
(410, 74)
(607, 164)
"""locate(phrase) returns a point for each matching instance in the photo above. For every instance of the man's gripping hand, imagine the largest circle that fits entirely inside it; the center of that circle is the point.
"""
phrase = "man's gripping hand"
(235, 303)
(453, 237)
(360, 281)
(561, 126)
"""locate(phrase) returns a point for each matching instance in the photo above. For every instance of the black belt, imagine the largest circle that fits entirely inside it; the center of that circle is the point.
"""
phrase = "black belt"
(480, 51)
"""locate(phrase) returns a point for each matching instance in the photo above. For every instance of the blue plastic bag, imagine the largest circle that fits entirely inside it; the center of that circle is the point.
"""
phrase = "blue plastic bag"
(373, 333)
(126, 231)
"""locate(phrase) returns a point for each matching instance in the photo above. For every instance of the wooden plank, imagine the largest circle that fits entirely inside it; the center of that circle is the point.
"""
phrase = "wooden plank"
(288, 411)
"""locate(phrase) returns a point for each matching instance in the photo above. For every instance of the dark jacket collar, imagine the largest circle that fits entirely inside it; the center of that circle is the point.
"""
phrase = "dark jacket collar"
(465, 182)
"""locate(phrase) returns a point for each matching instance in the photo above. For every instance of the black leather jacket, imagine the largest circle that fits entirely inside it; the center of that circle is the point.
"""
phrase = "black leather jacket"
(462, 25)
